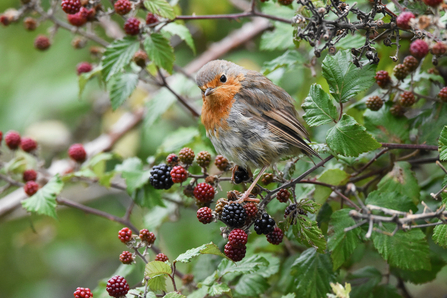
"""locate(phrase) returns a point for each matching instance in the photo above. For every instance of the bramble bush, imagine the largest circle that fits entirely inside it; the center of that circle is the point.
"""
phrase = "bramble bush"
(368, 220)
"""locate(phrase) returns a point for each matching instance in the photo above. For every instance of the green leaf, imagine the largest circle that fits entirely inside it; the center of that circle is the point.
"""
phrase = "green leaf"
(160, 51)
(440, 235)
(386, 291)
(200, 293)
(118, 55)
(157, 272)
(313, 274)
(44, 200)
(365, 279)
(161, 8)
(83, 78)
(247, 265)
(307, 232)
(252, 285)
(318, 107)
(385, 127)
(403, 181)
(174, 295)
(290, 295)
(178, 139)
(146, 195)
(279, 39)
(341, 244)
(209, 248)
(421, 276)
(344, 78)
(333, 177)
(391, 200)
(132, 171)
(442, 143)
(181, 31)
(348, 138)
(158, 105)
(407, 250)
(123, 85)
(218, 289)
(287, 60)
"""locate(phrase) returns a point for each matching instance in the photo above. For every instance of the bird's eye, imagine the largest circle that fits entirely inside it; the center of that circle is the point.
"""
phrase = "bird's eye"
(223, 78)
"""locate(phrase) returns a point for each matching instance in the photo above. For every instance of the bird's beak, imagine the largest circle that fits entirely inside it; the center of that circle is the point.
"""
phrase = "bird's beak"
(209, 91)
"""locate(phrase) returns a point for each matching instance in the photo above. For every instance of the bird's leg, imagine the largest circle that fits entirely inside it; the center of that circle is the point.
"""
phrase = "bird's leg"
(247, 193)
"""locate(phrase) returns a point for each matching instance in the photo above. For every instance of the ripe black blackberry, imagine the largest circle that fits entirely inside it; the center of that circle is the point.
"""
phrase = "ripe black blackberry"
(411, 63)
(221, 162)
(275, 237)
(179, 174)
(132, 26)
(125, 235)
(203, 159)
(235, 253)
(205, 215)
(123, 7)
(234, 215)
(126, 257)
(291, 209)
(251, 209)
(204, 192)
(71, 6)
(147, 237)
(186, 156)
(400, 72)
(241, 175)
(283, 195)
(382, 79)
(237, 238)
(82, 293)
(117, 286)
(267, 178)
(265, 224)
(161, 257)
(397, 110)
(443, 94)
(374, 103)
(161, 177)
(407, 99)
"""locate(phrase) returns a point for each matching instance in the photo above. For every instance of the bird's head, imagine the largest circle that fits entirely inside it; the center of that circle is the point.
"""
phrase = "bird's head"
(219, 81)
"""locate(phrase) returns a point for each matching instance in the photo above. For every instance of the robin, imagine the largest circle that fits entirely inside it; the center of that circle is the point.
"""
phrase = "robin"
(249, 120)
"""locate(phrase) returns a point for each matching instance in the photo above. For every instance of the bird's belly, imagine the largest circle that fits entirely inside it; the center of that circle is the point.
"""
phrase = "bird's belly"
(254, 147)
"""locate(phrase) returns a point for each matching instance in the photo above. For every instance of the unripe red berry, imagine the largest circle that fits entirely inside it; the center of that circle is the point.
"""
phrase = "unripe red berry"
(30, 188)
(1, 137)
(117, 286)
(186, 156)
(161, 257)
(83, 67)
(374, 103)
(439, 49)
(12, 140)
(205, 215)
(29, 175)
(147, 236)
(411, 63)
(237, 238)
(30, 24)
(403, 20)
(400, 72)
(221, 162)
(203, 159)
(443, 94)
(179, 174)
(382, 78)
(83, 293)
(433, 3)
(28, 144)
(407, 99)
(397, 110)
(123, 7)
(285, 2)
(71, 6)
(78, 19)
(251, 209)
(151, 19)
(132, 26)
(204, 192)
(283, 195)
(77, 153)
(419, 48)
(125, 235)
(276, 236)
(42, 43)
(235, 253)
(4, 20)
(126, 257)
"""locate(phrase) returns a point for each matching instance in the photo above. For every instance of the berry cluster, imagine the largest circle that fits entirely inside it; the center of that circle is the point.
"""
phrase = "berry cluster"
(236, 246)
(204, 192)
(117, 286)
(126, 257)
(234, 215)
(205, 215)
(147, 237)
(125, 235)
